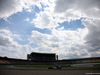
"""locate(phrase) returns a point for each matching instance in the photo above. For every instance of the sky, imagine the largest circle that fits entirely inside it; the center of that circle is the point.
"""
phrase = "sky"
(69, 28)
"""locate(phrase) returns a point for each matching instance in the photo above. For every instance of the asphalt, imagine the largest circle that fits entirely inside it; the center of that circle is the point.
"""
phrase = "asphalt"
(49, 72)
(13, 67)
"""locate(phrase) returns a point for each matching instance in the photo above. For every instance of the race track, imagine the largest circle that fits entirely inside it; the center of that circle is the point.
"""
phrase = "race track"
(49, 72)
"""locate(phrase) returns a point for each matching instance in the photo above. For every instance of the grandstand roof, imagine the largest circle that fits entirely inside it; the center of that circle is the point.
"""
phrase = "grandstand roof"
(42, 53)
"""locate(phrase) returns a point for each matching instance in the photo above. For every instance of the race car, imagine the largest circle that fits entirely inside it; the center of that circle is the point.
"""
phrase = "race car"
(55, 67)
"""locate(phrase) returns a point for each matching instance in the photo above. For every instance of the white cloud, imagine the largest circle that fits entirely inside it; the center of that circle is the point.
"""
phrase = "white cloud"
(6, 40)
(59, 11)
(93, 37)
(7, 8)
(11, 48)
(8, 33)
(10, 7)
(67, 10)
(67, 43)
(27, 19)
(62, 42)
(45, 20)
(75, 9)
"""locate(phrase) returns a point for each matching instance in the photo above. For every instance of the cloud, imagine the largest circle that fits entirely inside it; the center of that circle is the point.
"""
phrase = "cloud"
(10, 7)
(62, 42)
(7, 40)
(45, 20)
(66, 10)
(93, 37)
(66, 43)
(11, 48)
(75, 9)
(4, 40)
(27, 19)
(7, 8)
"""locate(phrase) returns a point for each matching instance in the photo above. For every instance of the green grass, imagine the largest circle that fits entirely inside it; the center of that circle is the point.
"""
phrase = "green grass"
(39, 67)
(33, 66)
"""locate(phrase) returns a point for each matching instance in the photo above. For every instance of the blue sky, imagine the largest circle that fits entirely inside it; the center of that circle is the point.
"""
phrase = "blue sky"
(49, 27)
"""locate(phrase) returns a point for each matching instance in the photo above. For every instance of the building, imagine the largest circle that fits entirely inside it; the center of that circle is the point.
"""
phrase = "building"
(42, 56)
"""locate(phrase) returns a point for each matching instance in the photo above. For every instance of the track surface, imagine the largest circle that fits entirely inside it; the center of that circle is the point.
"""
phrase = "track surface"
(49, 72)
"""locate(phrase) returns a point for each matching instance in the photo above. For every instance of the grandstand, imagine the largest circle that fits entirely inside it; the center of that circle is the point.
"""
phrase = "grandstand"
(42, 56)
